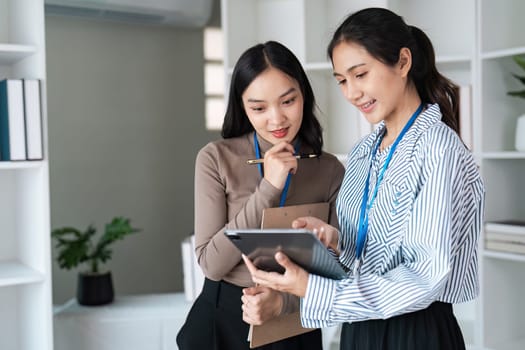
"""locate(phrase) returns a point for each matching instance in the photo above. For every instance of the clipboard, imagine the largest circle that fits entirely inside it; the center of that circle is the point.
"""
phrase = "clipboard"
(282, 217)
(288, 325)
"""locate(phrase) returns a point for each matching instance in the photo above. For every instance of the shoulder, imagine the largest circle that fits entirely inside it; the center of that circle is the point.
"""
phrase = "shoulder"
(433, 137)
(224, 149)
(440, 148)
(330, 162)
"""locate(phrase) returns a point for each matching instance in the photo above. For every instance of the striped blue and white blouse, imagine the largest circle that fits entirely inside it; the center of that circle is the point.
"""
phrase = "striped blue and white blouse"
(423, 229)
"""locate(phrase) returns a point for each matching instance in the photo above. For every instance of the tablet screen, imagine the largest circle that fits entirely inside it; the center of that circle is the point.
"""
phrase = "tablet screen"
(302, 246)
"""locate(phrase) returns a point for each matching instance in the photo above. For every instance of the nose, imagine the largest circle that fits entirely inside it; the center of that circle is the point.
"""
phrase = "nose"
(351, 92)
(277, 115)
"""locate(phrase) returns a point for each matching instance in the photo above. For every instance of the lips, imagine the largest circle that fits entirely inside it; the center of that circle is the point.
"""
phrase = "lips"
(367, 107)
(280, 133)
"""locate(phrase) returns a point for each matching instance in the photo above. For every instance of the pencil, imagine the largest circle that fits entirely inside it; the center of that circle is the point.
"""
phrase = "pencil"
(298, 156)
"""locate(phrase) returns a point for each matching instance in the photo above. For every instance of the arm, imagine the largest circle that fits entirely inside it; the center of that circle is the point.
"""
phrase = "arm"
(214, 202)
(216, 254)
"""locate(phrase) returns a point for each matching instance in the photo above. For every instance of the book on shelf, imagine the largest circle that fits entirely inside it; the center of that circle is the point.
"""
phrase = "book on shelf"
(12, 124)
(506, 226)
(507, 247)
(33, 119)
(505, 236)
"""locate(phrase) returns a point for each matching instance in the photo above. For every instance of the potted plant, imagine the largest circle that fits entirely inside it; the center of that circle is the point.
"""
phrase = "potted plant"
(520, 124)
(75, 247)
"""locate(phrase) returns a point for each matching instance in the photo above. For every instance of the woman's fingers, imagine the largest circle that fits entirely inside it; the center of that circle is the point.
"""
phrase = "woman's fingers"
(294, 279)
(279, 161)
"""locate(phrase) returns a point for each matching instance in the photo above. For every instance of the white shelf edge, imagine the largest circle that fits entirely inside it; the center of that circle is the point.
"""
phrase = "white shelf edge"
(453, 59)
(326, 65)
(502, 53)
(10, 53)
(503, 155)
(7, 165)
(503, 255)
(14, 273)
(317, 66)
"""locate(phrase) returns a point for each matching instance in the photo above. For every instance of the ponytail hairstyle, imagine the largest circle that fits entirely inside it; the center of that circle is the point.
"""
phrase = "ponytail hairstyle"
(254, 61)
(383, 34)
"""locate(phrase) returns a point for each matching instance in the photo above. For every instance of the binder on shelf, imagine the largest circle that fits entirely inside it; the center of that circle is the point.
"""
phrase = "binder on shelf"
(12, 124)
(287, 325)
(187, 268)
(33, 119)
(193, 277)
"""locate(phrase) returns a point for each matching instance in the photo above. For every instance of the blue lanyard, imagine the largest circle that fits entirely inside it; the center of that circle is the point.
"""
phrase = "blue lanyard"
(365, 204)
(288, 178)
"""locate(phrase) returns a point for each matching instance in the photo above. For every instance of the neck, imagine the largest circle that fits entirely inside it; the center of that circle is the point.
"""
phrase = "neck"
(397, 121)
(394, 126)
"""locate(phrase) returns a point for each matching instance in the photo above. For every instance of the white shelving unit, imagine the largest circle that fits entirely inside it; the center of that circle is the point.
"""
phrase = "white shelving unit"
(474, 41)
(503, 278)
(25, 266)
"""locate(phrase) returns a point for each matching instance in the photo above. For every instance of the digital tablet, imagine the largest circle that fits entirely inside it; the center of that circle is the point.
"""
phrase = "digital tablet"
(302, 246)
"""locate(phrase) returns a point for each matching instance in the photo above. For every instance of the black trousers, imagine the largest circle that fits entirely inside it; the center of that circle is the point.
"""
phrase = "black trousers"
(434, 328)
(215, 323)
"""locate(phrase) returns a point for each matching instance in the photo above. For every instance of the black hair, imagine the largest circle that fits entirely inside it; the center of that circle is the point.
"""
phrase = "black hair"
(383, 34)
(251, 64)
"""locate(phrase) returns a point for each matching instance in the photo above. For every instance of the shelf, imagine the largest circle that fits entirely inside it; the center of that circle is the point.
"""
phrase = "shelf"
(14, 273)
(20, 165)
(503, 155)
(10, 53)
(502, 53)
(503, 255)
(318, 66)
(453, 59)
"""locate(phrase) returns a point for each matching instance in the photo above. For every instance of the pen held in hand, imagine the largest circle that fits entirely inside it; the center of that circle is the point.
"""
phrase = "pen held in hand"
(298, 156)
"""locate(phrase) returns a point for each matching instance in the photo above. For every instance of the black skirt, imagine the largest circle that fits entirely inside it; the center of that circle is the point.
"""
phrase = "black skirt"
(434, 328)
(215, 323)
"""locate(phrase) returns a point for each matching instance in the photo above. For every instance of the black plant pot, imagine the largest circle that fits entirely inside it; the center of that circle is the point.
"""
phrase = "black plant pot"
(94, 289)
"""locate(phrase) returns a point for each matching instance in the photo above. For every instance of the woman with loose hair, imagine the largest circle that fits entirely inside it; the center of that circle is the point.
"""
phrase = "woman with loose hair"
(410, 207)
(270, 115)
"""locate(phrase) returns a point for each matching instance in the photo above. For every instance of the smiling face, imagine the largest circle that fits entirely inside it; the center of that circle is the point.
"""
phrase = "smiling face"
(274, 105)
(379, 91)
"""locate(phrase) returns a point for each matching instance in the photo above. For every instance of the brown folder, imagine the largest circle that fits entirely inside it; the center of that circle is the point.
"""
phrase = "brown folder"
(287, 325)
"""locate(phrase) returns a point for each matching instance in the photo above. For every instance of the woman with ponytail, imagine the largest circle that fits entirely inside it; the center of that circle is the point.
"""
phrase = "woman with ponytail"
(410, 207)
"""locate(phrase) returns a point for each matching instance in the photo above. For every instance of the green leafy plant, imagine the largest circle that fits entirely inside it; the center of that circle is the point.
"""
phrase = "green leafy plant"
(520, 60)
(76, 247)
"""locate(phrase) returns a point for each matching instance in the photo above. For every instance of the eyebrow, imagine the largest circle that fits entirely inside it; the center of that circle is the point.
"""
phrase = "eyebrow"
(290, 90)
(349, 70)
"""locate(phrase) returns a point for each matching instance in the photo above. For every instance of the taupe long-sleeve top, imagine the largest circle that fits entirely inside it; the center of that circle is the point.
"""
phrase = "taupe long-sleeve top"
(229, 193)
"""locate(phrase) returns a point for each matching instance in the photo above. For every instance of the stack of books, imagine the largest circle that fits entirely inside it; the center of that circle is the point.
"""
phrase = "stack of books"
(20, 120)
(505, 236)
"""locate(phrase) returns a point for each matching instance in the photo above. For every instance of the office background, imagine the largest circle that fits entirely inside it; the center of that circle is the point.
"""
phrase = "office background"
(126, 119)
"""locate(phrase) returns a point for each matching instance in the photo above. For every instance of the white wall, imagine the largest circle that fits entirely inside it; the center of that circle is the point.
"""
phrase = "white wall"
(126, 119)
